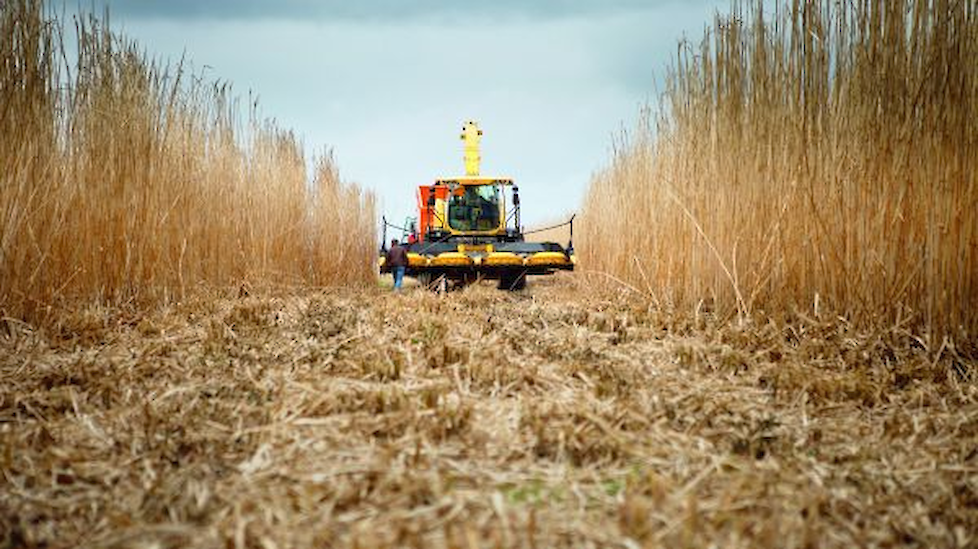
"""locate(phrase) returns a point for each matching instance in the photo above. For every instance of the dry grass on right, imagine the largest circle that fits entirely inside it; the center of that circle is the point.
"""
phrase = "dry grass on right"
(807, 153)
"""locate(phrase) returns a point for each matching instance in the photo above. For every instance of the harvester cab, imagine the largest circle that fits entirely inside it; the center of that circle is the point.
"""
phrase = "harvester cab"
(469, 228)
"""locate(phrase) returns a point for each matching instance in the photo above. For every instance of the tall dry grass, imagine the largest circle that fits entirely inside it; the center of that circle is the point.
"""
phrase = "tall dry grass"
(821, 158)
(128, 180)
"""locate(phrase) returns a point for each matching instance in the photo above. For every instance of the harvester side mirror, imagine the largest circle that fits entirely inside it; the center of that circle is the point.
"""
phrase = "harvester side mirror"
(570, 243)
(431, 199)
(516, 196)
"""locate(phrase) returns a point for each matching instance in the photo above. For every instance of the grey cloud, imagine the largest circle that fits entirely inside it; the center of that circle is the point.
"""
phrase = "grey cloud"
(378, 85)
(375, 10)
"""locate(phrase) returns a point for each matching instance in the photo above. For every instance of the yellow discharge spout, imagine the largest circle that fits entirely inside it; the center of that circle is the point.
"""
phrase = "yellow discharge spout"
(471, 135)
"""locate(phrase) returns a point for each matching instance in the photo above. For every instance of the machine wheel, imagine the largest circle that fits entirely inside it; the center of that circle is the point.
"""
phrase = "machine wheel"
(513, 282)
(468, 280)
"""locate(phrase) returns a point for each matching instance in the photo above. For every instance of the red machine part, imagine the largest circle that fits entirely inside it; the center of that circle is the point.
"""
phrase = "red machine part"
(424, 214)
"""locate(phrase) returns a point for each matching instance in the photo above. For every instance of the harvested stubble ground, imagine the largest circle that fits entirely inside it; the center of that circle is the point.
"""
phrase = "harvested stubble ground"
(478, 418)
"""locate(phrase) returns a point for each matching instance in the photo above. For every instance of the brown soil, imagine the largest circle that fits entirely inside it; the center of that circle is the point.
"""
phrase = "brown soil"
(553, 417)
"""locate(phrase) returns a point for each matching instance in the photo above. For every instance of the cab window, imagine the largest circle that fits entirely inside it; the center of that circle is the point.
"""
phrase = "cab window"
(475, 209)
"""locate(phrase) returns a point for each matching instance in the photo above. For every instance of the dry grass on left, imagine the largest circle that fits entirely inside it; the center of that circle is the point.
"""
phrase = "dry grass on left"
(554, 417)
(126, 180)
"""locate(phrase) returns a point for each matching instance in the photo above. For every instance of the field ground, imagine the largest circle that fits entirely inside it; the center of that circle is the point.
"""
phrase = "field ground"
(477, 418)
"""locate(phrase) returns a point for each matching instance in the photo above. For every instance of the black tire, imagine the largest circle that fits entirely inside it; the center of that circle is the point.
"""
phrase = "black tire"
(513, 282)
(468, 280)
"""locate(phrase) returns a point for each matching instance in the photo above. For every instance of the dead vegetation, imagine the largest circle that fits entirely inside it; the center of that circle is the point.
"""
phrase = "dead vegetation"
(815, 156)
(478, 418)
(126, 180)
(181, 382)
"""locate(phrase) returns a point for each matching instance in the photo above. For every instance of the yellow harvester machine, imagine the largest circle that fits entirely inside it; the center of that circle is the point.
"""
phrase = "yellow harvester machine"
(468, 228)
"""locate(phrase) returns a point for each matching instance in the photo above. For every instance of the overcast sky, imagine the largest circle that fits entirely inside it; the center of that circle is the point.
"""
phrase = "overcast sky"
(387, 83)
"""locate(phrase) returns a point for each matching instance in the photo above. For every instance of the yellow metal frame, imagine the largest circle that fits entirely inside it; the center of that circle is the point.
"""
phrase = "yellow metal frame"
(472, 136)
(440, 205)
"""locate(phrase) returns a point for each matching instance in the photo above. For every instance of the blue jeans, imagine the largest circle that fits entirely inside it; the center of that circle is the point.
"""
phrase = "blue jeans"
(398, 273)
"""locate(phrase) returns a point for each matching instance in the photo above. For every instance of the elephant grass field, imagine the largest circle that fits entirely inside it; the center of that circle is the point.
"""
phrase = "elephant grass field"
(769, 339)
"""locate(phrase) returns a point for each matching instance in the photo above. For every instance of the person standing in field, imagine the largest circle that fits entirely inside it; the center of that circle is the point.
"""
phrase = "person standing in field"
(398, 260)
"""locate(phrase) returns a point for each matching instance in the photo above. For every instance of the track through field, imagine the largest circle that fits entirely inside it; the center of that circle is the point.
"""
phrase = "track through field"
(551, 417)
